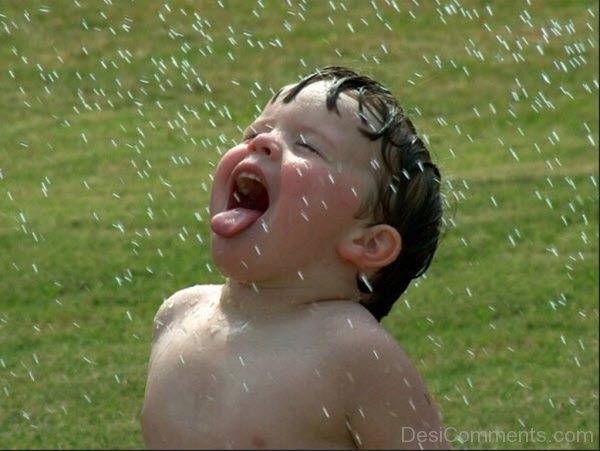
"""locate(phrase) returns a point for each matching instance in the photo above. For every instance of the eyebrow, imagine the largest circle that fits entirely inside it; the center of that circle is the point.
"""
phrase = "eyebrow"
(277, 94)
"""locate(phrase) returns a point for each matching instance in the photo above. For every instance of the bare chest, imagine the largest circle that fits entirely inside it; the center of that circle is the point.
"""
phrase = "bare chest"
(223, 385)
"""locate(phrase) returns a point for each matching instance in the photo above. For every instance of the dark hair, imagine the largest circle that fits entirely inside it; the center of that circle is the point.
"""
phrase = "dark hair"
(408, 194)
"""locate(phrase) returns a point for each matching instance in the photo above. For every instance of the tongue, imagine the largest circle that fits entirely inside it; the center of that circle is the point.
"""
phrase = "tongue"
(232, 222)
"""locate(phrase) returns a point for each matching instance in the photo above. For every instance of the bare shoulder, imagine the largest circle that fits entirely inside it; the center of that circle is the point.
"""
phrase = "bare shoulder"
(182, 301)
(385, 398)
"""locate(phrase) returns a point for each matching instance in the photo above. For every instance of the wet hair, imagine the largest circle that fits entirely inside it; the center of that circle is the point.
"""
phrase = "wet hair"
(408, 193)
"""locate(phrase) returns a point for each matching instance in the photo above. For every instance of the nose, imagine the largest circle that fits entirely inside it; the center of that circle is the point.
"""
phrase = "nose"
(266, 144)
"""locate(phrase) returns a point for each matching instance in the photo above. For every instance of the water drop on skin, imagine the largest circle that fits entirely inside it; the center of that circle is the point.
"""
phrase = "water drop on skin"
(264, 226)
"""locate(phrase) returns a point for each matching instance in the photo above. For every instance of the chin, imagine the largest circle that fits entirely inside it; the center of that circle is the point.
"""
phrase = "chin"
(263, 271)
(240, 266)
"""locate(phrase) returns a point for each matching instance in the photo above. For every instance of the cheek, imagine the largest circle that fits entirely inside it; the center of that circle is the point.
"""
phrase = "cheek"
(317, 191)
(344, 194)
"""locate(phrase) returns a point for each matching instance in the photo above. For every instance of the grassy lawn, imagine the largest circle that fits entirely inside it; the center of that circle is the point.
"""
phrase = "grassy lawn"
(115, 113)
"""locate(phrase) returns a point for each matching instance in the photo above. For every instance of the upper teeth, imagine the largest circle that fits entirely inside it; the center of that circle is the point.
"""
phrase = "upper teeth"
(248, 175)
(242, 183)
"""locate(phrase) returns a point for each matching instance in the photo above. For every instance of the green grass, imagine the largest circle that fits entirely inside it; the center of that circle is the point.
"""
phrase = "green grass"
(115, 113)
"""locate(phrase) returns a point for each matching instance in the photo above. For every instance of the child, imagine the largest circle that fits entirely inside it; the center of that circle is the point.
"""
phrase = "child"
(320, 218)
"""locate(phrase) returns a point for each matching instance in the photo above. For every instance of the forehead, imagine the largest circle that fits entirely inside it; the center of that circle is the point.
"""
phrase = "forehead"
(314, 96)
(308, 110)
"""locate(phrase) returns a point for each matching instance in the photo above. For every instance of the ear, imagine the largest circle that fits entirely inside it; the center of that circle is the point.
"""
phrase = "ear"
(372, 247)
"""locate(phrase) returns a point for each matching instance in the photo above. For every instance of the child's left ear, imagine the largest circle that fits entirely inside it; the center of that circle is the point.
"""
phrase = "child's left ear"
(372, 247)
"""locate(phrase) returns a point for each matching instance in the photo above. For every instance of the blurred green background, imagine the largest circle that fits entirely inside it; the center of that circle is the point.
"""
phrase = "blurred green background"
(114, 114)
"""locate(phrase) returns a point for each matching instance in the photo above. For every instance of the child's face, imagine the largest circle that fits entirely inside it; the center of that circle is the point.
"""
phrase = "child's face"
(285, 196)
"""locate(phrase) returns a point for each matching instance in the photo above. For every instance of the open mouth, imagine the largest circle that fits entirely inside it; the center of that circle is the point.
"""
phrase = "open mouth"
(248, 201)
(248, 192)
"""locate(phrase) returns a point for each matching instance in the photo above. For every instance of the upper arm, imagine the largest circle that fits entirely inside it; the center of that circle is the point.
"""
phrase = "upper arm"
(387, 403)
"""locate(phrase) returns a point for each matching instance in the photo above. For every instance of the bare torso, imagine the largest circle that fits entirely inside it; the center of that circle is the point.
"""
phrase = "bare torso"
(221, 381)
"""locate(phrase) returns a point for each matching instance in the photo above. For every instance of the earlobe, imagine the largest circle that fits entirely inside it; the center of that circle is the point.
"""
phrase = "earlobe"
(375, 247)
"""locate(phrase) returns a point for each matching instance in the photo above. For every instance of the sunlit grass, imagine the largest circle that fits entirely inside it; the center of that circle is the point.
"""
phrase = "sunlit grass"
(114, 115)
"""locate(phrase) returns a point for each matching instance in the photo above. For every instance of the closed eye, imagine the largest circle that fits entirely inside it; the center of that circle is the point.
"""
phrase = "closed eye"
(250, 133)
(248, 136)
(309, 147)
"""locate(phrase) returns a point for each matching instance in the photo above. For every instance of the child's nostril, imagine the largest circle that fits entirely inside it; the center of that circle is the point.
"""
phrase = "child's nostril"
(264, 149)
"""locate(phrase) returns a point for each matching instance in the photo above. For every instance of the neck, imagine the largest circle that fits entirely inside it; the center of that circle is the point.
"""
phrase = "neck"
(254, 298)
